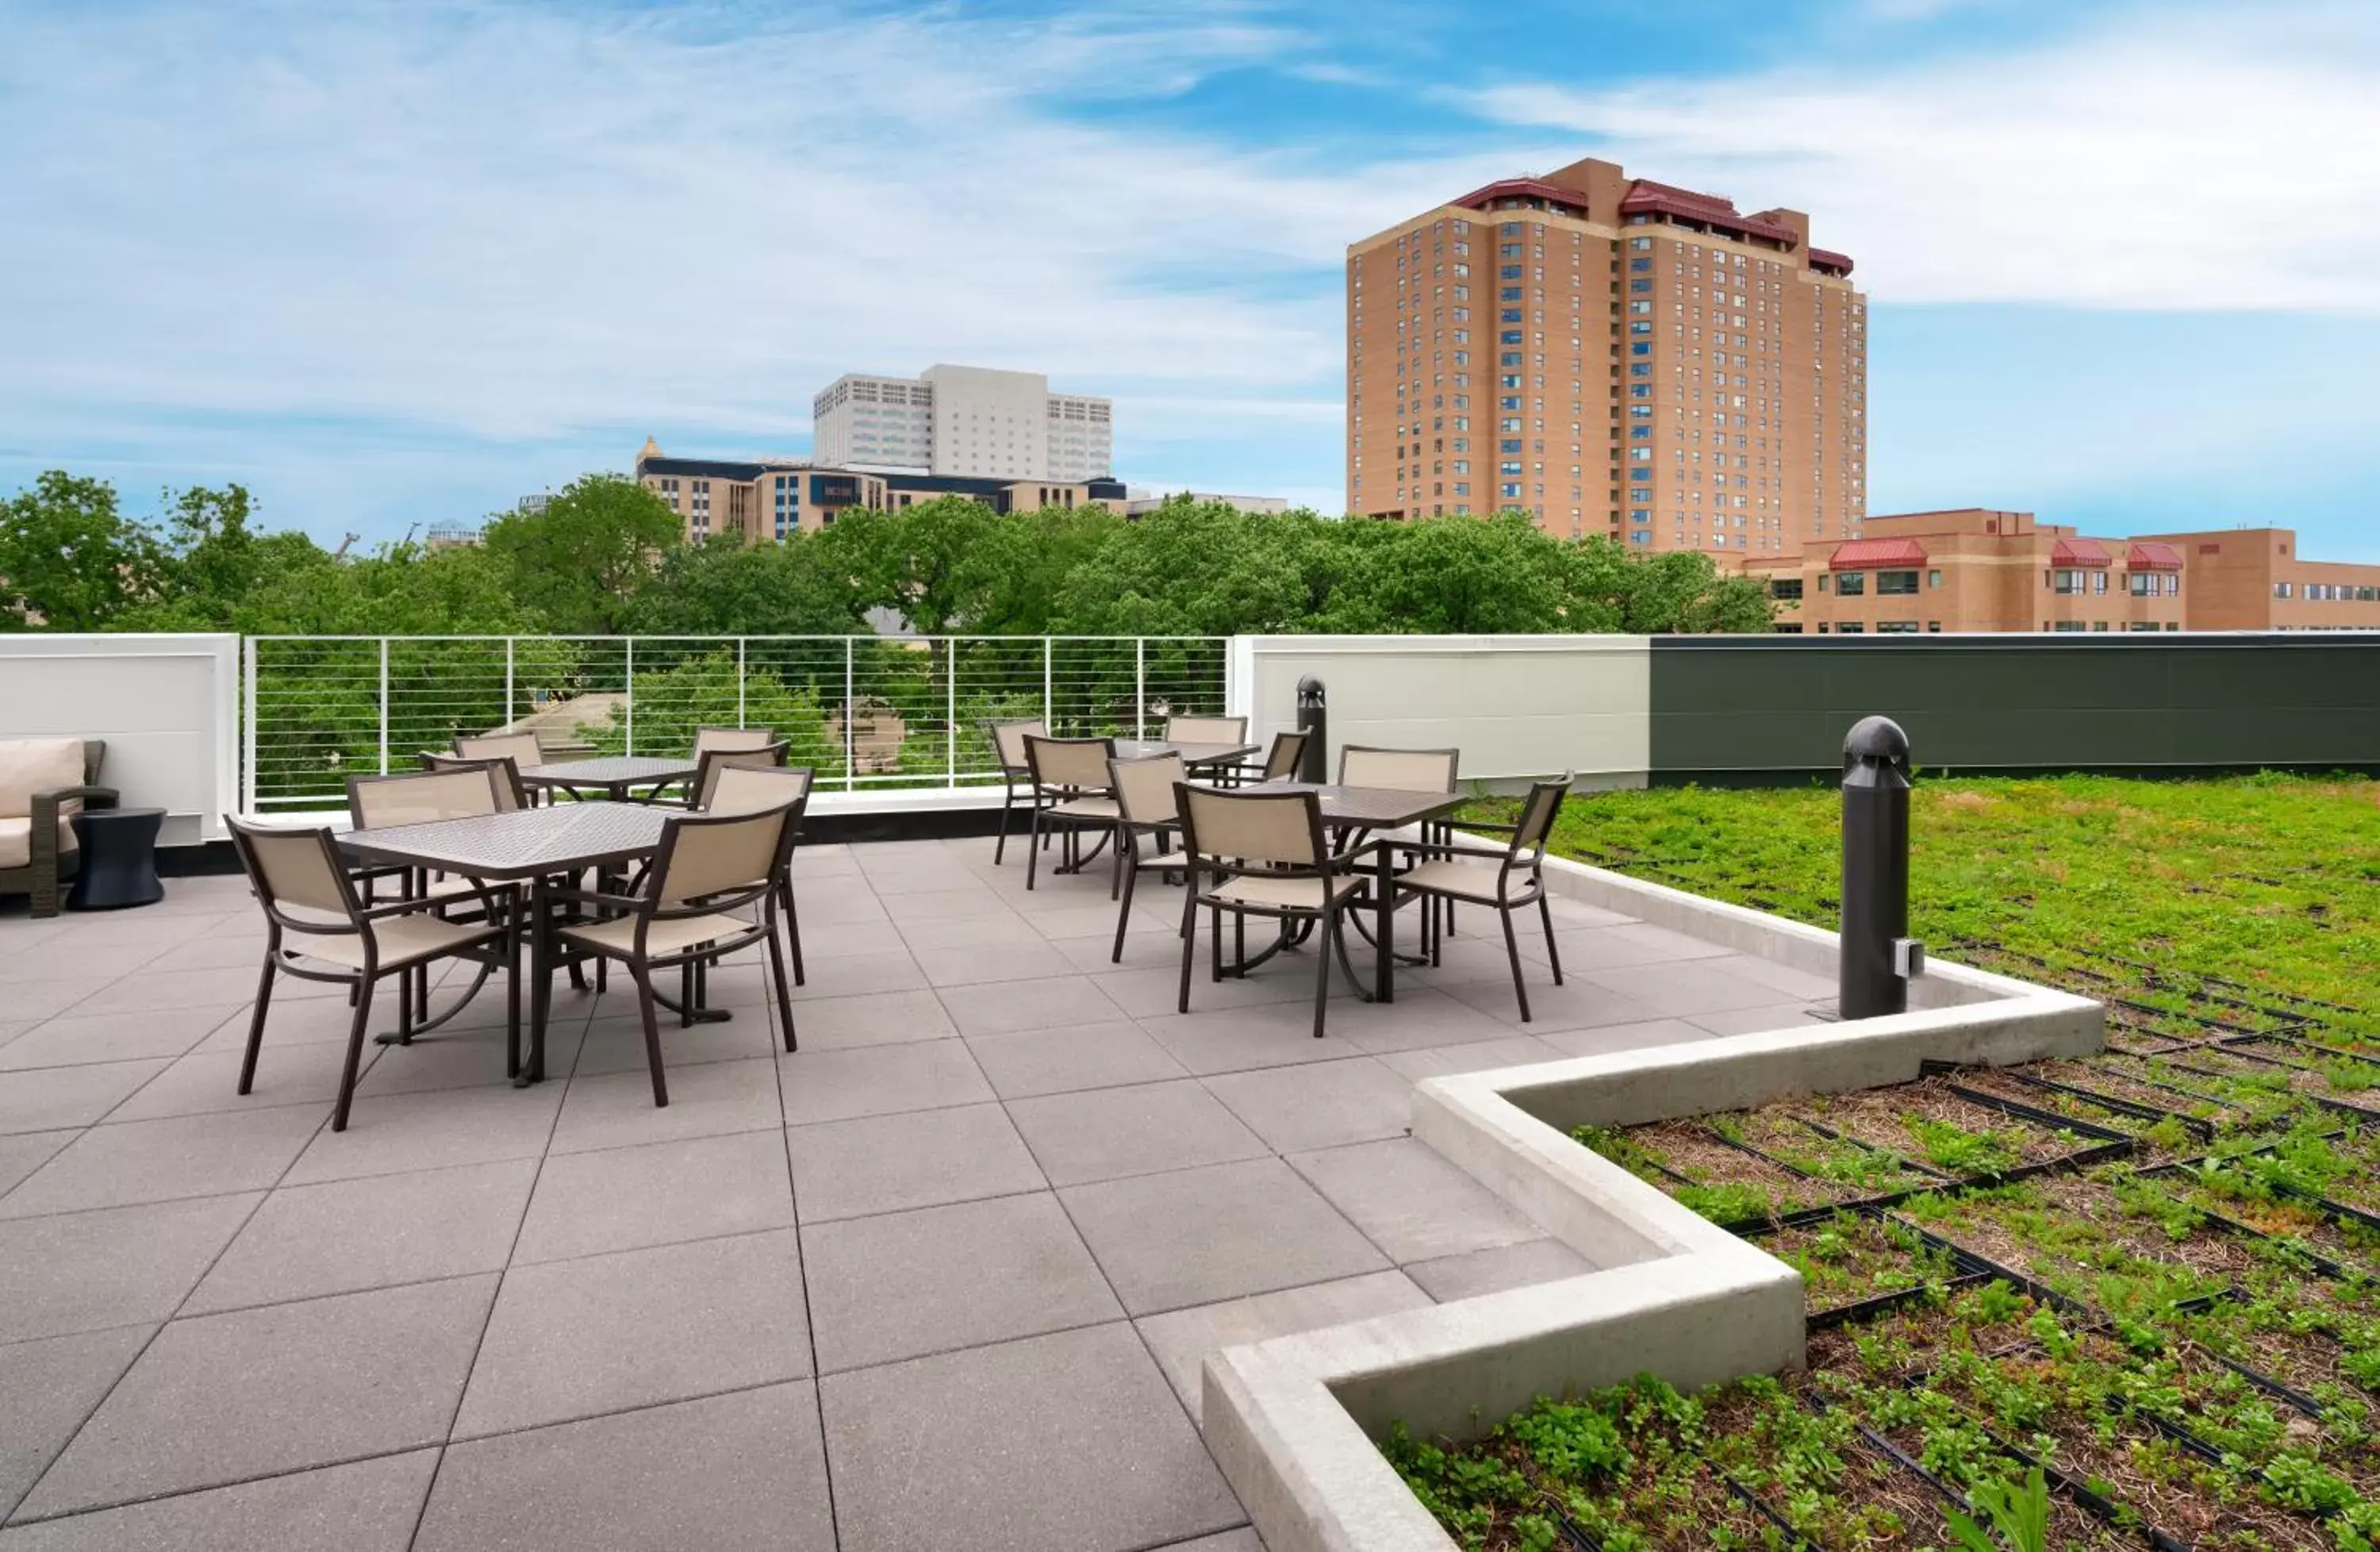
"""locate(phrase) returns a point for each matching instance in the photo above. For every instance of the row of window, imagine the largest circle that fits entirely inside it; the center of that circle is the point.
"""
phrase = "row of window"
(2326, 592)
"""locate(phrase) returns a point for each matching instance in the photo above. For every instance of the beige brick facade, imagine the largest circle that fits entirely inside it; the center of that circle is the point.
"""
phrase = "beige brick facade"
(1612, 356)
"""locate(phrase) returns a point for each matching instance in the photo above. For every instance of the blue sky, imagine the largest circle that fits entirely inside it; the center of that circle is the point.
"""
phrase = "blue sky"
(404, 262)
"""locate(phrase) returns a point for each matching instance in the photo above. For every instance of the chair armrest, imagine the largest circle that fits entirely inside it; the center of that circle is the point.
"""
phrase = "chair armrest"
(1490, 825)
(593, 897)
(1442, 849)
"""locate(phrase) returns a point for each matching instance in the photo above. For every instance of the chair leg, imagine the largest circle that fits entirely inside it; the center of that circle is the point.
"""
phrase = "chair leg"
(1189, 932)
(784, 997)
(1123, 911)
(652, 1032)
(1034, 841)
(1007, 801)
(263, 1000)
(512, 992)
(1215, 942)
(1553, 954)
(355, 1055)
(1115, 863)
(1322, 968)
(1512, 951)
(793, 931)
(685, 995)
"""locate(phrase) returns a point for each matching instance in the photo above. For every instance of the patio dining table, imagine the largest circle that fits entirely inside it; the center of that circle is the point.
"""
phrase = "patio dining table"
(530, 847)
(615, 776)
(1376, 808)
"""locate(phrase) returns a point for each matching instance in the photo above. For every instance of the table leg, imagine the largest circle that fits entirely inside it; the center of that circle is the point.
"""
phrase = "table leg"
(1384, 964)
(540, 988)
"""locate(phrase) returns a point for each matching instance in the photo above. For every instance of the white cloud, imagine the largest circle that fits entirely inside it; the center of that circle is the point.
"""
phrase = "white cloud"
(2176, 161)
(515, 221)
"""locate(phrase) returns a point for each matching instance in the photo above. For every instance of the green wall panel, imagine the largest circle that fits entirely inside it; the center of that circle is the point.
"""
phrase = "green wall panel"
(1754, 705)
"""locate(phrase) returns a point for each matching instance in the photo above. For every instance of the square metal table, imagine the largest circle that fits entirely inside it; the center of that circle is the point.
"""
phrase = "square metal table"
(1376, 808)
(529, 846)
(1193, 754)
(615, 776)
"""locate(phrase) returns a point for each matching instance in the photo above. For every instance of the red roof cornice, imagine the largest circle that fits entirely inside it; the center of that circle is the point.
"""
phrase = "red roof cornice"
(1647, 198)
(2147, 554)
(2079, 552)
(1858, 554)
(1820, 259)
(1519, 189)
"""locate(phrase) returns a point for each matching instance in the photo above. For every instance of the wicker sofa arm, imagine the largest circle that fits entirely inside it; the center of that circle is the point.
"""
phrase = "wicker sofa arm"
(44, 811)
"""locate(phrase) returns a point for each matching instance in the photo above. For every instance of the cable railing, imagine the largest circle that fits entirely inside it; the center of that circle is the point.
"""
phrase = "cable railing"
(863, 711)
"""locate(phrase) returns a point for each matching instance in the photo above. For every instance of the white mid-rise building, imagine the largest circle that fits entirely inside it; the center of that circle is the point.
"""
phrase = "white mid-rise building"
(963, 420)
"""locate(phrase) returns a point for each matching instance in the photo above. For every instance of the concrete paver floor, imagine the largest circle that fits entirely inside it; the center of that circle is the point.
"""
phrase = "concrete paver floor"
(942, 1277)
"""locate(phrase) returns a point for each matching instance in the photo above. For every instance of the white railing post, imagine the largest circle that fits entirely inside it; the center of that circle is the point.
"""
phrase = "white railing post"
(739, 681)
(951, 718)
(383, 706)
(510, 642)
(1048, 719)
(628, 683)
(247, 735)
(1140, 686)
(850, 711)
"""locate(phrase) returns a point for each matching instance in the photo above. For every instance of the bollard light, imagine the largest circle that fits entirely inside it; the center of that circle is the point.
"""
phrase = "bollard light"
(1877, 957)
(1313, 721)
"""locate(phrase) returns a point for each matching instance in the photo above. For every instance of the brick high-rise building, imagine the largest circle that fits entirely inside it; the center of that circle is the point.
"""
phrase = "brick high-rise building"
(1613, 355)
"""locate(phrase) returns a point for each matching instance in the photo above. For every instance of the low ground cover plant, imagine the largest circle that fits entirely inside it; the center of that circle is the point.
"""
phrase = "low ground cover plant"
(2175, 1334)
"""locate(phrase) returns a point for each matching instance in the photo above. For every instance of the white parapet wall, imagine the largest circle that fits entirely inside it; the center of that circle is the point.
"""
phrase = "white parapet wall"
(168, 707)
(1293, 1421)
(1517, 705)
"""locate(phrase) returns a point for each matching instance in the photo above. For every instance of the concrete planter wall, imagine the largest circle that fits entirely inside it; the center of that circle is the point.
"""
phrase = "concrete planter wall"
(1293, 1419)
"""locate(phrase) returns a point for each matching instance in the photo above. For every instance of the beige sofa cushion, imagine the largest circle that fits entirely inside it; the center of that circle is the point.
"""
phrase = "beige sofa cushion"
(36, 765)
(17, 842)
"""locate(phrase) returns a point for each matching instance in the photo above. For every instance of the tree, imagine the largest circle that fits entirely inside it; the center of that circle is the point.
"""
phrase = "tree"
(1684, 591)
(579, 561)
(934, 563)
(1454, 576)
(69, 560)
(725, 587)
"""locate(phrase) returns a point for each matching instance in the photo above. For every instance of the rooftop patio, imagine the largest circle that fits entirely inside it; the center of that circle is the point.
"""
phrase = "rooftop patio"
(944, 1277)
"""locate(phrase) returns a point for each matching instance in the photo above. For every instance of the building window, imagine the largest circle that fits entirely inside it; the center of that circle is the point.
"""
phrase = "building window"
(2143, 583)
(2066, 581)
(1896, 627)
(1822, 581)
(1851, 584)
(1851, 627)
(1786, 587)
(2281, 590)
(2098, 624)
(1933, 627)
(2098, 581)
(1933, 579)
(1896, 582)
(2067, 626)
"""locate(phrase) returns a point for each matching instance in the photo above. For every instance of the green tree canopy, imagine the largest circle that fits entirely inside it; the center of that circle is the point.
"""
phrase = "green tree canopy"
(580, 561)
(69, 560)
(724, 587)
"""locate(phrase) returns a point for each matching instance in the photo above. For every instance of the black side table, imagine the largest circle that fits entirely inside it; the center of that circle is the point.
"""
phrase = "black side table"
(119, 858)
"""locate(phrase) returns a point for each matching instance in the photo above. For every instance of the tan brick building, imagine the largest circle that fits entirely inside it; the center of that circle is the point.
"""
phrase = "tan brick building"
(1980, 570)
(1615, 357)
(773, 498)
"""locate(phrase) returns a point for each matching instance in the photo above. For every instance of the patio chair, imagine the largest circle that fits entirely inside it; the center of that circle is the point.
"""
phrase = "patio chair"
(302, 884)
(44, 784)
(1449, 871)
(1070, 795)
(466, 789)
(1007, 739)
(521, 748)
(748, 789)
(511, 797)
(708, 866)
(1364, 764)
(1259, 854)
(1280, 763)
(1206, 730)
(709, 763)
(709, 738)
(1144, 792)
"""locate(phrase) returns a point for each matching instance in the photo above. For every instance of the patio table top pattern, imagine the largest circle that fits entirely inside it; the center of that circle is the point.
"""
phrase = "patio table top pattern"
(943, 1276)
(613, 775)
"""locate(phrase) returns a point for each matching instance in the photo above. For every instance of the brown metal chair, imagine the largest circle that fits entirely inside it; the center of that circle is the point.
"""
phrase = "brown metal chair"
(1008, 743)
(709, 738)
(1263, 854)
(1070, 795)
(1206, 730)
(707, 869)
(1432, 770)
(1517, 881)
(1280, 763)
(463, 790)
(302, 883)
(710, 763)
(749, 789)
(511, 797)
(1144, 791)
(521, 748)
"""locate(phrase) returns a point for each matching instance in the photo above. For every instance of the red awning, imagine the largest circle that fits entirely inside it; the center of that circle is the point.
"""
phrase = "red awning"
(1860, 554)
(2147, 554)
(2080, 553)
